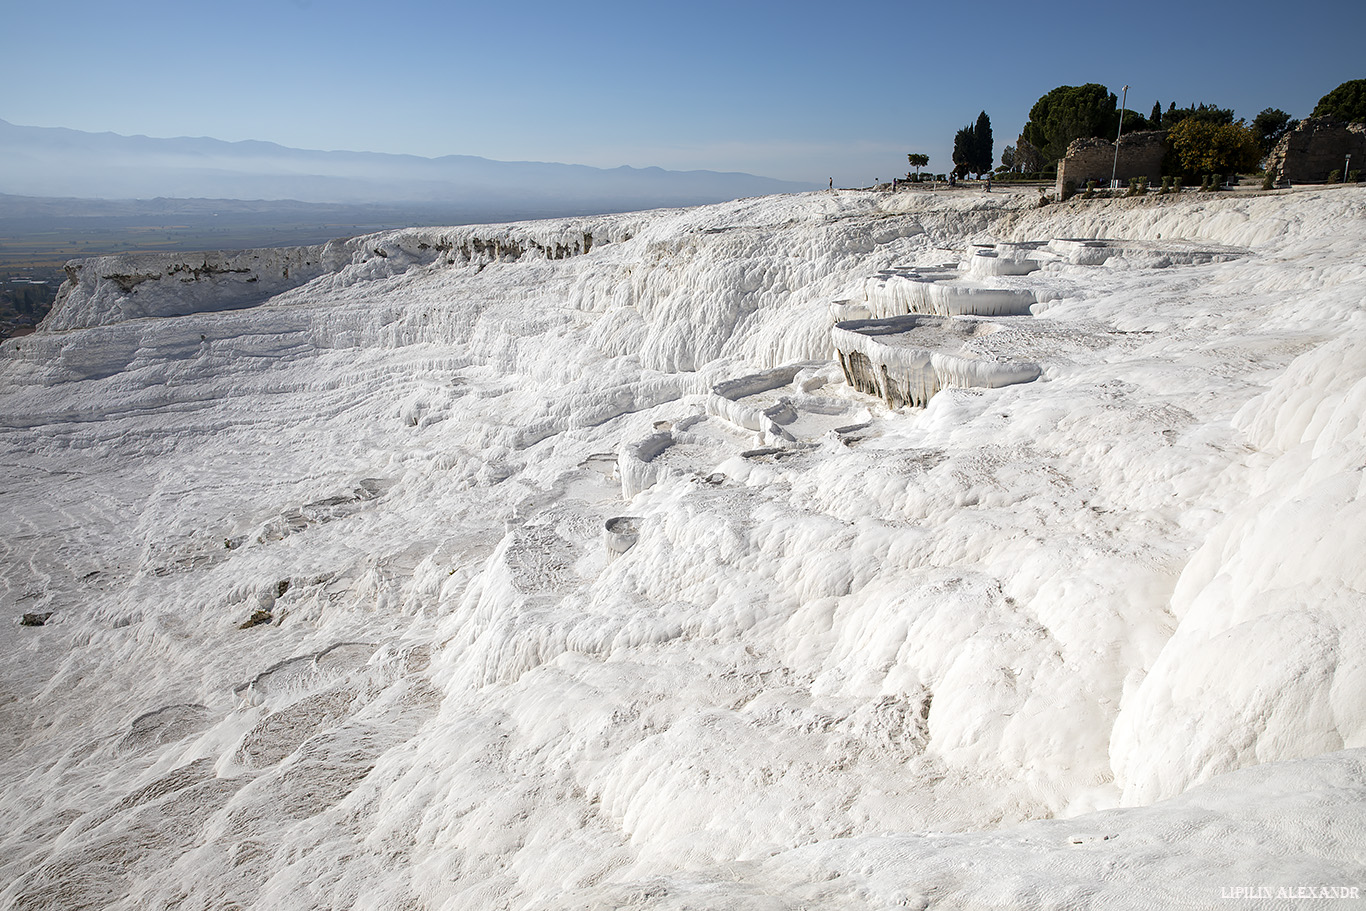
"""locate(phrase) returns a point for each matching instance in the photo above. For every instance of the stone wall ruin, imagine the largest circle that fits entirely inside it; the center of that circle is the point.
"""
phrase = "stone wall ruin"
(1140, 155)
(1315, 148)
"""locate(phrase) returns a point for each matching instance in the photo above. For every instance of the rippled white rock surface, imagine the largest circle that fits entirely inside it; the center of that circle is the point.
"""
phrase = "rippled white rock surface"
(333, 623)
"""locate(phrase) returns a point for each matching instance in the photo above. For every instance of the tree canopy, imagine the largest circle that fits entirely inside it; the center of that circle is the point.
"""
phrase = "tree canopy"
(985, 147)
(1346, 102)
(918, 160)
(1133, 122)
(1214, 148)
(1027, 158)
(1205, 113)
(1270, 125)
(964, 150)
(1070, 112)
(972, 147)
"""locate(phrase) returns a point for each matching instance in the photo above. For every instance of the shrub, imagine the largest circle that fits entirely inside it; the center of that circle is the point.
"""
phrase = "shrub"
(1354, 176)
(1269, 180)
(1335, 175)
(1176, 184)
(1024, 175)
(1090, 190)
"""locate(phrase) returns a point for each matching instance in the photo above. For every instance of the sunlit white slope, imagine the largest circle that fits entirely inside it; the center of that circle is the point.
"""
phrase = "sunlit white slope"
(843, 667)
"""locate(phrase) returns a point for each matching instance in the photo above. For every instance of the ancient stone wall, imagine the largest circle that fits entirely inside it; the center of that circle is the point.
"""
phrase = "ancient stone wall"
(1316, 147)
(1140, 155)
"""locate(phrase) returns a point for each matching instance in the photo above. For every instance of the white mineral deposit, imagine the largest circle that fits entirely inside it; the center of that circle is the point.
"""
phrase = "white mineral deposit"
(555, 565)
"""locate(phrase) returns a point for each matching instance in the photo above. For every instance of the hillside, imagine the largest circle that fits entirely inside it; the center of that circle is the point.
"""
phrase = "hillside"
(555, 564)
(55, 162)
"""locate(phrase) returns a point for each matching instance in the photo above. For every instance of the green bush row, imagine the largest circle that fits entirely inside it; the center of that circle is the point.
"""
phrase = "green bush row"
(1025, 175)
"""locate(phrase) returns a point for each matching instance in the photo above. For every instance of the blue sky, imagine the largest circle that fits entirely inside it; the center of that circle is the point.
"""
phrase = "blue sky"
(797, 90)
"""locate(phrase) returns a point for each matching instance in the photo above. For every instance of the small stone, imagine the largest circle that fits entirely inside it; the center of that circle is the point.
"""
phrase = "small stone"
(35, 619)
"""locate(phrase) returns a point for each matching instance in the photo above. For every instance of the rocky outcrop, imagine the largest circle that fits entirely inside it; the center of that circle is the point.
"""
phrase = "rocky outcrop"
(113, 289)
(1317, 147)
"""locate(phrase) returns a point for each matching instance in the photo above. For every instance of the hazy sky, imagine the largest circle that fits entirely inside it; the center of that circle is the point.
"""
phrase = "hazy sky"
(797, 89)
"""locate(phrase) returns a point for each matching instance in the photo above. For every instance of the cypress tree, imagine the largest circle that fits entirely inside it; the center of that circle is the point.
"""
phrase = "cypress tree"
(984, 152)
(964, 150)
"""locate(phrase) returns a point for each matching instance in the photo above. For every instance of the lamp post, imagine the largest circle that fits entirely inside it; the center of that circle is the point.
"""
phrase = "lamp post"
(1115, 170)
(1347, 167)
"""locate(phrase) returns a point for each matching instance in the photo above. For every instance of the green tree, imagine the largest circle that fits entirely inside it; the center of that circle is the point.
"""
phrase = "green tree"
(1155, 118)
(1214, 148)
(1205, 113)
(1027, 158)
(985, 148)
(1133, 122)
(1346, 102)
(1070, 112)
(964, 150)
(1008, 158)
(1270, 125)
(918, 161)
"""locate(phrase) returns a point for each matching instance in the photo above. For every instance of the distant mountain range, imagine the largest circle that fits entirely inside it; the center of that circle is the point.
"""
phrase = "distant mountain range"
(56, 162)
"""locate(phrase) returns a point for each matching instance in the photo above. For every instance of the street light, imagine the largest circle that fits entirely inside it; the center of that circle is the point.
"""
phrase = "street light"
(1114, 170)
(1347, 167)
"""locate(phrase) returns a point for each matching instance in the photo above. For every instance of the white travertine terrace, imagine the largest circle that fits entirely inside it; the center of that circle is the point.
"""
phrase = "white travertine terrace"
(620, 534)
(334, 622)
(725, 401)
(987, 262)
(1144, 253)
(637, 464)
(896, 292)
(905, 360)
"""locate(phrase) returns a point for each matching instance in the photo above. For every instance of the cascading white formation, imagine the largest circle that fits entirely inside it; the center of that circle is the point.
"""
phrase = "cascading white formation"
(905, 360)
(900, 291)
(840, 675)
